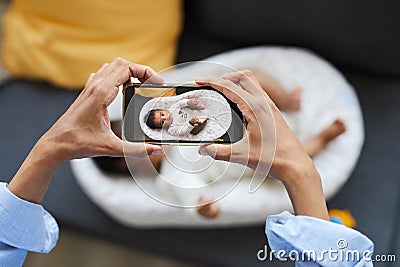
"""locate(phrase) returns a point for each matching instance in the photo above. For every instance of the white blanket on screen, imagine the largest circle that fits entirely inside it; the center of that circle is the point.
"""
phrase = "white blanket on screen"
(216, 108)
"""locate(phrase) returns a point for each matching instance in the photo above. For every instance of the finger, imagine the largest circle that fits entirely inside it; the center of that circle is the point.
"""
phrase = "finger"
(91, 76)
(119, 71)
(217, 151)
(232, 91)
(102, 68)
(128, 149)
(246, 80)
(100, 71)
(105, 82)
(145, 74)
(141, 149)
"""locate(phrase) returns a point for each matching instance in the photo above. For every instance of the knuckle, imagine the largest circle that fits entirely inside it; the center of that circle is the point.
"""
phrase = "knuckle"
(100, 90)
(97, 85)
(120, 61)
(240, 75)
(248, 74)
(228, 75)
(93, 86)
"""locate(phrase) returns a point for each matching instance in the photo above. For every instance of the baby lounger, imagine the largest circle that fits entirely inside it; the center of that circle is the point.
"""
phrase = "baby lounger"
(326, 95)
(217, 109)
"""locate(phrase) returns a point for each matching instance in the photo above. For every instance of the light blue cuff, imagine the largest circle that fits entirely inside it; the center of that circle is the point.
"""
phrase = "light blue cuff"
(290, 233)
(25, 225)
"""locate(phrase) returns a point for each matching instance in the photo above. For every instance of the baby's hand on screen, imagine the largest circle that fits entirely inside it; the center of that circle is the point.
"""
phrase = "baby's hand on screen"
(194, 121)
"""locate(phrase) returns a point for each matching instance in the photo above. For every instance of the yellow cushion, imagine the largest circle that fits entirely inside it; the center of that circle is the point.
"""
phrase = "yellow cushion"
(64, 41)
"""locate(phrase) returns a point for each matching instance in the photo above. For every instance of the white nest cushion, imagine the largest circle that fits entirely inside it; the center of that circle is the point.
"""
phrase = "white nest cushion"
(216, 108)
(326, 95)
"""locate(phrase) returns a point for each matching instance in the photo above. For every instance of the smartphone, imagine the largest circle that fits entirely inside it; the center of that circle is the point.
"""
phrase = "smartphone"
(185, 114)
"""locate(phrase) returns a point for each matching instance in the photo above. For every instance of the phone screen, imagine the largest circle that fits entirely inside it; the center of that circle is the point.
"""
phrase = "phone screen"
(180, 114)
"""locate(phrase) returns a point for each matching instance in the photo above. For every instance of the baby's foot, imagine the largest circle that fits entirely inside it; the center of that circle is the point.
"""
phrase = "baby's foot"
(334, 130)
(195, 103)
(200, 105)
(316, 144)
(293, 100)
(208, 210)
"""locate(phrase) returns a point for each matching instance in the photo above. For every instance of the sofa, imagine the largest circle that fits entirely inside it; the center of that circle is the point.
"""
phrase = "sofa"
(361, 38)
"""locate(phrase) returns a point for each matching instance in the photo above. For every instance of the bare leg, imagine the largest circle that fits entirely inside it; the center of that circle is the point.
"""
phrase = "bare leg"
(209, 210)
(314, 145)
(284, 100)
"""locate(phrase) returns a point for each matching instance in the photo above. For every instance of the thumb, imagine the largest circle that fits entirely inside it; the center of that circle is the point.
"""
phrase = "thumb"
(140, 149)
(216, 151)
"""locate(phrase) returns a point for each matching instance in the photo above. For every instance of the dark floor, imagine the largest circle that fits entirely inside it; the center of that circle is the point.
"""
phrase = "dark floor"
(76, 249)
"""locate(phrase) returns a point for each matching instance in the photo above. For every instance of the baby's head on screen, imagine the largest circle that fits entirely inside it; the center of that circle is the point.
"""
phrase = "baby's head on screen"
(158, 118)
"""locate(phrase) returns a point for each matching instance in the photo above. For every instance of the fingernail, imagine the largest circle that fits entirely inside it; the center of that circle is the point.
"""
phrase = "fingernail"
(157, 152)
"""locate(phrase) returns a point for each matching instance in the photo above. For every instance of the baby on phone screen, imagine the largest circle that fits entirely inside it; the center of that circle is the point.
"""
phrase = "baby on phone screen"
(179, 118)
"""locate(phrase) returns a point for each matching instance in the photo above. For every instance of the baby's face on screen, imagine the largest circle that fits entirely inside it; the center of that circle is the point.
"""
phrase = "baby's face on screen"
(162, 118)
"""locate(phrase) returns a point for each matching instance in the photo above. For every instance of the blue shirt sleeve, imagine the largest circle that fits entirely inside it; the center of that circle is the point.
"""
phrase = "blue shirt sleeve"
(24, 226)
(315, 242)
